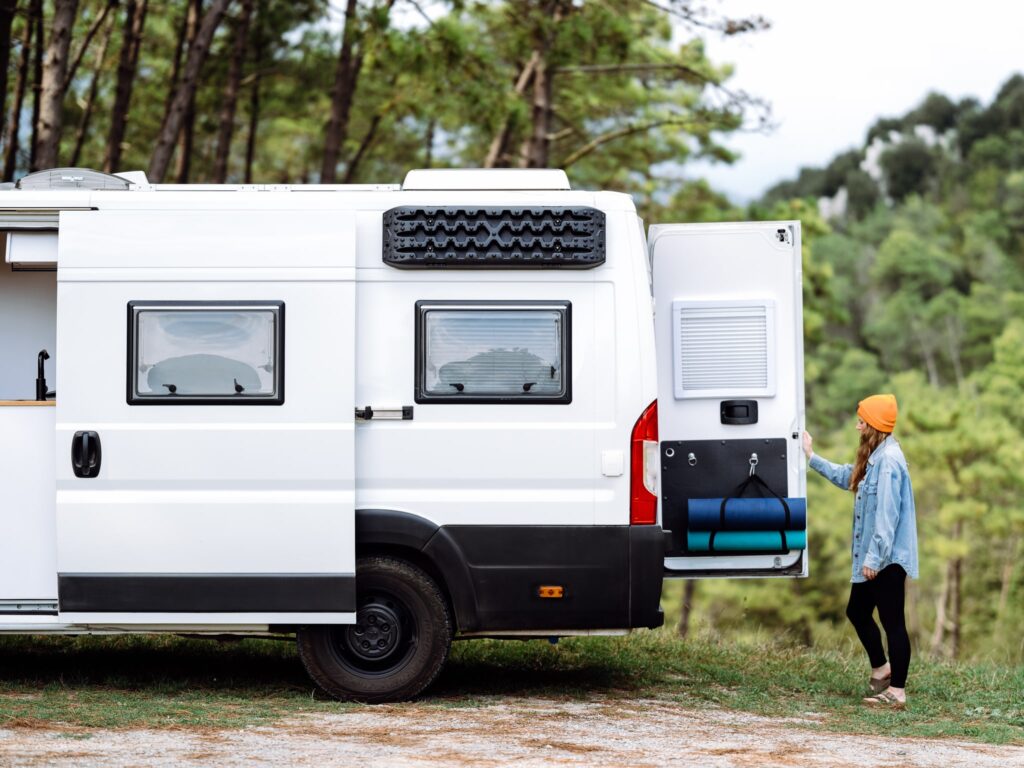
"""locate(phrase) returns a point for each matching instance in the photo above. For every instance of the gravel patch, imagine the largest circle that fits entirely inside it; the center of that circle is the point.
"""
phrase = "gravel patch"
(523, 732)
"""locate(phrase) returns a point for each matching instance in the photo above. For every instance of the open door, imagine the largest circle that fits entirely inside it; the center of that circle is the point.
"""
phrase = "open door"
(204, 436)
(729, 336)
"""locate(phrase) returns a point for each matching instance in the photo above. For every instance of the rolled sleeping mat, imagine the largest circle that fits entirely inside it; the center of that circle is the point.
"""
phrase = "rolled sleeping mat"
(745, 541)
(761, 514)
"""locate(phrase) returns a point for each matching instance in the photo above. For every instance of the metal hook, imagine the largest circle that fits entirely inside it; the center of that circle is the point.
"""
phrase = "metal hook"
(753, 463)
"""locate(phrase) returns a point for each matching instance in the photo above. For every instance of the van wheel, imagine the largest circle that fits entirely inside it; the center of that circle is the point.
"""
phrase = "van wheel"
(397, 646)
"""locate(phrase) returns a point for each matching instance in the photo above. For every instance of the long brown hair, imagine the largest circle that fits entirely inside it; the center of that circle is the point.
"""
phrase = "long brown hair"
(870, 439)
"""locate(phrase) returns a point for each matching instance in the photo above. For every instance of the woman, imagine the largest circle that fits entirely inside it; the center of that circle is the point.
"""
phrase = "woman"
(884, 543)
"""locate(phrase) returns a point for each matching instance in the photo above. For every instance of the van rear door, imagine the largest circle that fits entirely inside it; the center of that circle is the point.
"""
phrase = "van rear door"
(205, 418)
(729, 336)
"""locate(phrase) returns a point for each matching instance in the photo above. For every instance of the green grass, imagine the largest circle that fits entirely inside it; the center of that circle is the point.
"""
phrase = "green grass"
(123, 682)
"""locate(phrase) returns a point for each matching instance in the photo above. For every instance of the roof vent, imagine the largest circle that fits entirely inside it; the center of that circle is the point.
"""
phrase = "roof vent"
(482, 179)
(71, 178)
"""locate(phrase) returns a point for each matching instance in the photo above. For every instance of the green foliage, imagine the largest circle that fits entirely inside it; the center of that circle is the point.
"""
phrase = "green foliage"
(909, 168)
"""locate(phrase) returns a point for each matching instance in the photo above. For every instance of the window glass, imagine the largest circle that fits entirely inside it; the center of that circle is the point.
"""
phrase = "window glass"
(494, 353)
(203, 352)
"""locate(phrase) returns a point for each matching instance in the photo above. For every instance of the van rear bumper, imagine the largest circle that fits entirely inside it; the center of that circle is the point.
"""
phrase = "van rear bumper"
(610, 576)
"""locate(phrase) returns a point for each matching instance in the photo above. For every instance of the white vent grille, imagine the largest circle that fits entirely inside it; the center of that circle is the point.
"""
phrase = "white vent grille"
(723, 348)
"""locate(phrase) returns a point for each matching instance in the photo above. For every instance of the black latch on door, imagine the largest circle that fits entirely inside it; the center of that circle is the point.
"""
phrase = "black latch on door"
(739, 411)
(384, 414)
(86, 454)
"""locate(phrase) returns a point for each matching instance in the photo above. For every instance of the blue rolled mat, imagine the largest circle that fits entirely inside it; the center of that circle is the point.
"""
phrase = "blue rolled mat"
(744, 541)
(760, 514)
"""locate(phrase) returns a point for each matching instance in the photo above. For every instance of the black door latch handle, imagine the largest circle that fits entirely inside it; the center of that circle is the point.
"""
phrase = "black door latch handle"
(384, 414)
(86, 454)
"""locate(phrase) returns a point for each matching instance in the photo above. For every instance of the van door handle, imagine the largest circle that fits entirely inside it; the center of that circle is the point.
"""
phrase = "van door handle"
(86, 454)
(404, 413)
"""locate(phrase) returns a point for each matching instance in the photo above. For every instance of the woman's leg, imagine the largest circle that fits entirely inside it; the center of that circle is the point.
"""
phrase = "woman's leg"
(890, 590)
(858, 611)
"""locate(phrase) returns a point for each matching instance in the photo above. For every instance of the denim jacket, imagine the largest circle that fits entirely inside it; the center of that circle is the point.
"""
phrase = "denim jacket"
(884, 520)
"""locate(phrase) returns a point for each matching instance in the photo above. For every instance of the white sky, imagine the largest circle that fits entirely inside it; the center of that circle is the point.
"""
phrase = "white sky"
(830, 69)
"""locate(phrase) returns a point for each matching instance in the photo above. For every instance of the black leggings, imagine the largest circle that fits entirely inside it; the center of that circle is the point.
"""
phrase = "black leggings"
(886, 592)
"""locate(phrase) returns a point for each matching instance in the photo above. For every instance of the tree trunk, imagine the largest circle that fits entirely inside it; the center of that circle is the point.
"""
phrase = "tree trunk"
(1006, 580)
(689, 587)
(345, 77)
(13, 123)
(352, 167)
(188, 124)
(939, 634)
(90, 101)
(134, 20)
(927, 355)
(94, 28)
(534, 152)
(185, 91)
(953, 335)
(7, 9)
(913, 616)
(956, 611)
(179, 50)
(428, 161)
(254, 91)
(55, 71)
(231, 88)
(946, 639)
(499, 143)
(37, 78)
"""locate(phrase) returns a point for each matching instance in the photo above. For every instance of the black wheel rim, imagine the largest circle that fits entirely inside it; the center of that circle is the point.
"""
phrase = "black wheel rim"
(381, 641)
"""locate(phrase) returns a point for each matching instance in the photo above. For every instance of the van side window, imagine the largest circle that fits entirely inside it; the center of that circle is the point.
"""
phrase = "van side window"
(205, 353)
(493, 352)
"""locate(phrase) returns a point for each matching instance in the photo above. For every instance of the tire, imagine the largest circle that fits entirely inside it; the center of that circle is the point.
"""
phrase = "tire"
(397, 646)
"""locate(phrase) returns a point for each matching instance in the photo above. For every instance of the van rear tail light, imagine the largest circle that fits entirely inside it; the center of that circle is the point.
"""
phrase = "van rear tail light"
(643, 468)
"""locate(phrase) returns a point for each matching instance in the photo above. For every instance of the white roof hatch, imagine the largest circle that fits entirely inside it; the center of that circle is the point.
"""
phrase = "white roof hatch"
(497, 179)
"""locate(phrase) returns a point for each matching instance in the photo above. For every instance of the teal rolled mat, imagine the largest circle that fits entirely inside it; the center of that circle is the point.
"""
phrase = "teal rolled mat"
(744, 541)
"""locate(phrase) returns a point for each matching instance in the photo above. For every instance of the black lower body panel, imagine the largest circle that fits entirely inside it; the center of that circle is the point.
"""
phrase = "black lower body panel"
(206, 593)
(610, 575)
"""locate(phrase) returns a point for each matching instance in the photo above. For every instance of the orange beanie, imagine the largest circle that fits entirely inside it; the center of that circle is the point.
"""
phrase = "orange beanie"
(879, 411)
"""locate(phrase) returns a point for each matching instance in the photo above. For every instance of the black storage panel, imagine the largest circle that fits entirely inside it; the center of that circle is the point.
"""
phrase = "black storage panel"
(716, 468)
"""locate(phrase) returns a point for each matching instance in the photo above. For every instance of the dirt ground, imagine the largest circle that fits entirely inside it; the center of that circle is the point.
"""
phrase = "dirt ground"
(527, 732)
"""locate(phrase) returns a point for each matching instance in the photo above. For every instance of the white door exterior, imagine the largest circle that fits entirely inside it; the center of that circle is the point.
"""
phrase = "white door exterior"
(729, 336)
(216, 512)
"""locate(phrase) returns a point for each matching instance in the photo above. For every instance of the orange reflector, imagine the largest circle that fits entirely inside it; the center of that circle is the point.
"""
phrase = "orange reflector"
(551, 592)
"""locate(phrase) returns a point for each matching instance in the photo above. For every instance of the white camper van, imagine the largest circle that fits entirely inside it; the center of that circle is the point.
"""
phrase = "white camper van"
(479, 404)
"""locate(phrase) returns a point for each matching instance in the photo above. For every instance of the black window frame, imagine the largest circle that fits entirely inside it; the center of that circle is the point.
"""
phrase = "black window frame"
(423, 306)
(169, 399)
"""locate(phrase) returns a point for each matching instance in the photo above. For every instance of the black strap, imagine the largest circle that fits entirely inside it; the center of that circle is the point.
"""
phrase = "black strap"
(742, 487)
(738, 493)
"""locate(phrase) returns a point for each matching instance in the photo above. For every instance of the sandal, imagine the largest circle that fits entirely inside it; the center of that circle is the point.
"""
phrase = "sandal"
(885, 699)
(879, 684)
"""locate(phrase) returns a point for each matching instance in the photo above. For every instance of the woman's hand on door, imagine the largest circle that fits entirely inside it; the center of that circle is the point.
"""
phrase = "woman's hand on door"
(808, 442)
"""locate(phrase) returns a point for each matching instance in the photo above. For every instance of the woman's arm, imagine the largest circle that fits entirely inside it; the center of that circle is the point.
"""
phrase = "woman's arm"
(837, 474)
(887, 515)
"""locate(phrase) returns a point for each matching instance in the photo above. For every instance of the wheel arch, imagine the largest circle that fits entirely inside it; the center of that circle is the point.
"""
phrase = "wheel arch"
(426, 545)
